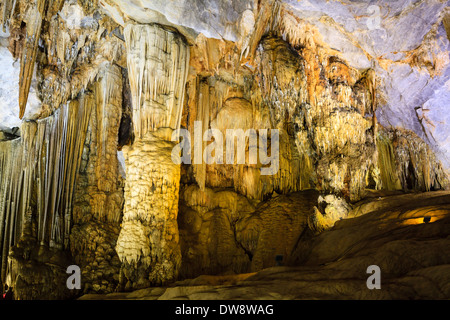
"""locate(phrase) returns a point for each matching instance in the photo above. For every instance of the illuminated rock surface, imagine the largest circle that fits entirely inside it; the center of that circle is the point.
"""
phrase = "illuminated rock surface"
(91, 93)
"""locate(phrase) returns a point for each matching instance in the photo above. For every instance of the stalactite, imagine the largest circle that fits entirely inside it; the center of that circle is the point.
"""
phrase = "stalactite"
(54, 6)
(9, 7)
(10, 153)
(312, 95)
(108, 92)
(387, 165)
(60, 141)
(98, 195)
(203, 115)
(268, 11)
(406, 162)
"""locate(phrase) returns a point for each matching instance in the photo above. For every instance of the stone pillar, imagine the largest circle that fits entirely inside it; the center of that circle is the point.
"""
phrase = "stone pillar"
(99, 191)
(148, 244)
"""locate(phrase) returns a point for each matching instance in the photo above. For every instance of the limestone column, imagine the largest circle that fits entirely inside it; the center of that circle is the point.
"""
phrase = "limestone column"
(148, 245)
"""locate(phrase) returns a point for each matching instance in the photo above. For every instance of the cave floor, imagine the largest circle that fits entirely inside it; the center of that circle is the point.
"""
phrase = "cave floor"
(407, 236)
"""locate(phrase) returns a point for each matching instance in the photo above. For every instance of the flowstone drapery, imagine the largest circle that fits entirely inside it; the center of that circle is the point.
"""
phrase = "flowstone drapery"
(91, 93)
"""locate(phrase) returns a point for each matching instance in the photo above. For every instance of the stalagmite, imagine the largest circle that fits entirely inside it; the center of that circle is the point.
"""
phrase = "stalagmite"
(148, 242)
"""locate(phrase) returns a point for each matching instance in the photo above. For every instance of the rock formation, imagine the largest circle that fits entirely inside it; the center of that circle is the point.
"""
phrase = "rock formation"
(150, 142)
(333, 264)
